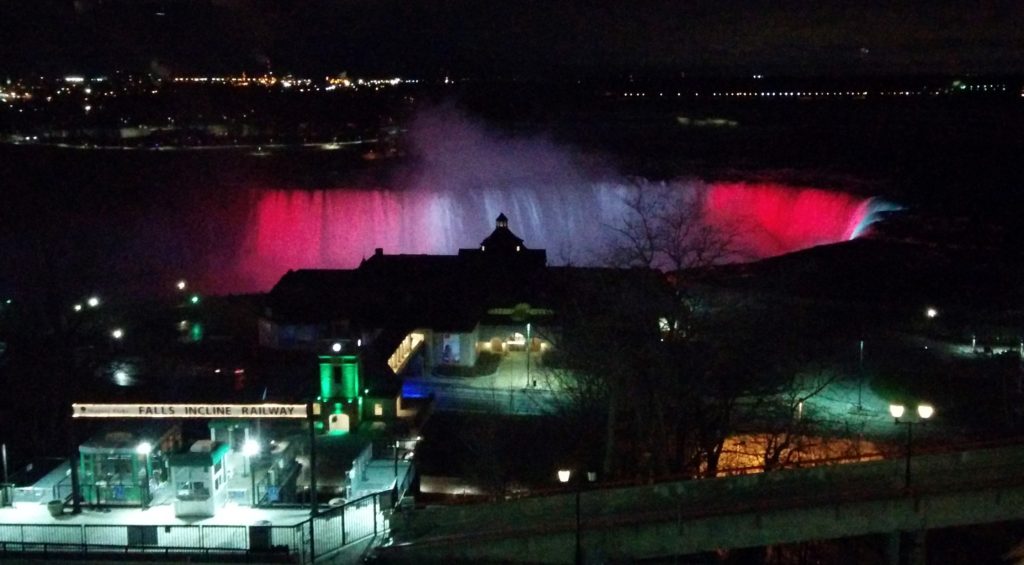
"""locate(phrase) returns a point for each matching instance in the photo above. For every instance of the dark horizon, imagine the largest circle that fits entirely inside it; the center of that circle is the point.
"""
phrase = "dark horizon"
(514, 39)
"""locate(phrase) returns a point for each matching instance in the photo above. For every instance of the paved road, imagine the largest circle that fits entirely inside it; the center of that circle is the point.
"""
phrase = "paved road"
(453, 396)
(949, 489)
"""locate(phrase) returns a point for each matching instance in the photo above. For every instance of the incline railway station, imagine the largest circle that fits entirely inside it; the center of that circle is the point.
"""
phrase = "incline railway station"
(317, 456)
(259, 481)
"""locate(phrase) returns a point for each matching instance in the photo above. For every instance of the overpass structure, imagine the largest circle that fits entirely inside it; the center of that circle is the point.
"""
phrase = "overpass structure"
(689, 517)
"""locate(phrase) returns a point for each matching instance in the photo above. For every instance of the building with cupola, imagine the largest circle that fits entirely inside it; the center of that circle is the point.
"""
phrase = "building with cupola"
(397, 316)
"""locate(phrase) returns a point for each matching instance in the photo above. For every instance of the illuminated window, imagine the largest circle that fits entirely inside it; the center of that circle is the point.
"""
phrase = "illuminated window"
(378, 409)
(663, 324)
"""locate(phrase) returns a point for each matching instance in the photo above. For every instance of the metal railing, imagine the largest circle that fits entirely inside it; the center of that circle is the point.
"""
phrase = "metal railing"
(102, 495)
(331, 530)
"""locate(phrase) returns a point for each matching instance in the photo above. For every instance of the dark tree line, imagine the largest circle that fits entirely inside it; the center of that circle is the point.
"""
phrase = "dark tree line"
(663, 373)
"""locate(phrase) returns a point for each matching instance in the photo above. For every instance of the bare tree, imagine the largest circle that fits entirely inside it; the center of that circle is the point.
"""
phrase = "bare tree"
(665, 227)
(785, 428)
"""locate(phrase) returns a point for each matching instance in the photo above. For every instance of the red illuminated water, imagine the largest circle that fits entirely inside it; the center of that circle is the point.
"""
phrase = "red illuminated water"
(294, 229)
(773, 219)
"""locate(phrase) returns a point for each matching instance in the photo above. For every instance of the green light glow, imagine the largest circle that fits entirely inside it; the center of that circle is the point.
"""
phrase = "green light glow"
(350, 377)
(326, 382)
(194, 299)
(339, 377)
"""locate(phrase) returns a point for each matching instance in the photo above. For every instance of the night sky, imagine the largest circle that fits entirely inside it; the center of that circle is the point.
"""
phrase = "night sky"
(485, 38)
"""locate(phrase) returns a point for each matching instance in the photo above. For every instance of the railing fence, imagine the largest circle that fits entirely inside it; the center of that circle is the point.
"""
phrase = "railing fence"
(331, 530)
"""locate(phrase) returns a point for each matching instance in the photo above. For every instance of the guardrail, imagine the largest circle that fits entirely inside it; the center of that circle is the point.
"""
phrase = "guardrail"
(99, 551)
(964, 472)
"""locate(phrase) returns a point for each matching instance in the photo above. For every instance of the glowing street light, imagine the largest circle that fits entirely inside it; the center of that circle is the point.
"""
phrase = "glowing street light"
(194, 299)
(336, 347)
(182, 285)
(931, 312)
(117, 333)
(896, 410)
(77, 307)
(250, 447)
(93, 301)
(924, 412)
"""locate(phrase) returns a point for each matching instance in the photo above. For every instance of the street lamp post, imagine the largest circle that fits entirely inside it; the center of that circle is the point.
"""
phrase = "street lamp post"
(251, 448)
(528, 344)
(396, 461)
(145, 449)
(860, 377)
(924, 412)
(564, 475)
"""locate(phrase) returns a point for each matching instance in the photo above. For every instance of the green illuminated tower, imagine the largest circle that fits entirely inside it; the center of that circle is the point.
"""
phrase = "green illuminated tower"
(339, 389)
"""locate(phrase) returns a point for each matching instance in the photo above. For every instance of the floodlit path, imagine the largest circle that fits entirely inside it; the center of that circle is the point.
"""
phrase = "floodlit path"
(681, 518)
(451, 395)
(503, 392)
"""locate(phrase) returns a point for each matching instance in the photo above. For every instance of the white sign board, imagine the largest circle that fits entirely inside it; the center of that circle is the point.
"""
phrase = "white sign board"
(189, 410)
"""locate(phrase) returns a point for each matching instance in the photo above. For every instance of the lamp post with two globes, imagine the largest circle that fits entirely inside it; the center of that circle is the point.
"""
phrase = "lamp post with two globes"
(564, 475)
(924, 412)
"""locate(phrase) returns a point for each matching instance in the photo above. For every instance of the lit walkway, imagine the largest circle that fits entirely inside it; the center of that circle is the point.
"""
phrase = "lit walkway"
(503, 392)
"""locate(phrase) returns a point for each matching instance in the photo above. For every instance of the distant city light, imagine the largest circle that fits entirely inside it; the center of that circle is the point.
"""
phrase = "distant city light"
(194, 299)
(336, 347)
(77, 307)
(931, 312)
(117, 333)
(93, 301)
(144, 448)
(182, 284)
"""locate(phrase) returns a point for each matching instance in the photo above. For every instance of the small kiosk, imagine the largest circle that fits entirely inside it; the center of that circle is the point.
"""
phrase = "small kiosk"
(120, 466)
(199, 479)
